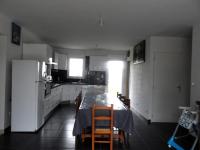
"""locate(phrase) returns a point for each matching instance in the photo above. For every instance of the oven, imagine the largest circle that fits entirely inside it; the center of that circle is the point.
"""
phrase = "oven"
(47, 88)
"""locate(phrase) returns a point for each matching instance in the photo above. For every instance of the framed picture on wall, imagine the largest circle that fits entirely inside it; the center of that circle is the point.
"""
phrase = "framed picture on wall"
(16, 34)
(139, 53)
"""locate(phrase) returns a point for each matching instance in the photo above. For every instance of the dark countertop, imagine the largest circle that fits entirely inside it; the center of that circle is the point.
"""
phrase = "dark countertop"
(54, 85)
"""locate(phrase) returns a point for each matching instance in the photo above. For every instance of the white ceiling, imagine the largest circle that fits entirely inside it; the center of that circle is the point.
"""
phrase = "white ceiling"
(75, 23)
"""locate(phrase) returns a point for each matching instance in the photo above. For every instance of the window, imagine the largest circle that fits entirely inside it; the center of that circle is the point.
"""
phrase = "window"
(115, 76)
(76, 67)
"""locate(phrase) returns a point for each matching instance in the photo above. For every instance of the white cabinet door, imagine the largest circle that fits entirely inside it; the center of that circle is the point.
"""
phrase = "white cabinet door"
(56, 60)
(52, 100)
(77, 90)
(62, 61)
(98, 63)
(70, 92)
(40, 52)
(66, 92)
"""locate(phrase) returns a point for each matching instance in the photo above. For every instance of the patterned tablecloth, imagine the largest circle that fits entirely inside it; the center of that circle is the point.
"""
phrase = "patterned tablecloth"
(123, 118)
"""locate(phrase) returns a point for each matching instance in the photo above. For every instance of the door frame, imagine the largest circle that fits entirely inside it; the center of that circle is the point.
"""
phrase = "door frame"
(3, 42)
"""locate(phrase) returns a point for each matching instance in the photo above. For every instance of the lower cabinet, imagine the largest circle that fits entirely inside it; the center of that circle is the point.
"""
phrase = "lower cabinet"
(52, 100)
(70, 92)
(67, 92)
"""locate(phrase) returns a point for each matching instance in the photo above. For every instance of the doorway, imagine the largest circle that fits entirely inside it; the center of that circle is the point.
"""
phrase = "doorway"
(115, 77)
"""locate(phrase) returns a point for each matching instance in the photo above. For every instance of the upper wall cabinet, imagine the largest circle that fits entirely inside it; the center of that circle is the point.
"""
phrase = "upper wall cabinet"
(61, 59)
(40, 52)
(98, 63)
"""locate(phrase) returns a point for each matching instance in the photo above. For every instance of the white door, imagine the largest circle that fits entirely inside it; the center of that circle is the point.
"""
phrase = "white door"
(169, 86)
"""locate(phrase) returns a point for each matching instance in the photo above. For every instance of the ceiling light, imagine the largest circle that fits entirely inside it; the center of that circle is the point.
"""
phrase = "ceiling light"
(101, 22)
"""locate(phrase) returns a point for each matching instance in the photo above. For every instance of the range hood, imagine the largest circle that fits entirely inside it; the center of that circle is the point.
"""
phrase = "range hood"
(50, 62)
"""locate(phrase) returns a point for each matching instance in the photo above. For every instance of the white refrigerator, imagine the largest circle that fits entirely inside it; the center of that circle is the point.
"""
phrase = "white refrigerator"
(28, 90)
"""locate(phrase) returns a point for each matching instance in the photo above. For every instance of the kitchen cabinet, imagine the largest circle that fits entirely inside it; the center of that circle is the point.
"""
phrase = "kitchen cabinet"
(98, 63)
(61, 59)
(40, 52)
(52, 100)
(56, 60)
(70, 92)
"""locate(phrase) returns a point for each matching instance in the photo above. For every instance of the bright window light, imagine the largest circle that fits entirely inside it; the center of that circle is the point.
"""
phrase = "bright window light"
(76, 67)
(115, 74)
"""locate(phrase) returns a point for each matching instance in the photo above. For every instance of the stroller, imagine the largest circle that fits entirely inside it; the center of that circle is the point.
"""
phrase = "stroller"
(188, 126)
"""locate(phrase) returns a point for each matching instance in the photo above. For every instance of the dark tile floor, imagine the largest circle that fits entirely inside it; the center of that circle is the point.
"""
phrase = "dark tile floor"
(56, 134)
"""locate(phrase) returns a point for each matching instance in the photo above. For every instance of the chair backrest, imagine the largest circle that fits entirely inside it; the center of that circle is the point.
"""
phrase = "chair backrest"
(119, 95)
(125, 100)
(78, 101)
(101, 115)
(102, 133)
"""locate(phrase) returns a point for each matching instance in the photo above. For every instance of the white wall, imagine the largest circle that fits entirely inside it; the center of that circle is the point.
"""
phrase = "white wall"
(141, 75)
(12, 52)
(195, 69)
(141, 83)
(93, 52)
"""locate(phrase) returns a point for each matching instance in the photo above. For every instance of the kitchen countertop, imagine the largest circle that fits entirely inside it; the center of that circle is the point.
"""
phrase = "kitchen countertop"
(54, 85)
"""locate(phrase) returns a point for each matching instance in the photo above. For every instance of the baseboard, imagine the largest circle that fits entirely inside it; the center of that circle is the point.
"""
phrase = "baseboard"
(50, 113)
(65, 102)
(7, 130)
(1, 132)
(147, 121)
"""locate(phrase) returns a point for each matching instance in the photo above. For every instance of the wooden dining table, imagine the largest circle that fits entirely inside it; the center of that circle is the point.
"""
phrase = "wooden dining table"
(123, 118)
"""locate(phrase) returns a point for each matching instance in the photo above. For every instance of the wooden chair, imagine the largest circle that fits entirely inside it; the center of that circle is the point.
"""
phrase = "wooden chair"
(126, 101)
(119, 95)
(102, 134)
(117, 134)
(78, 101)
(86, 133)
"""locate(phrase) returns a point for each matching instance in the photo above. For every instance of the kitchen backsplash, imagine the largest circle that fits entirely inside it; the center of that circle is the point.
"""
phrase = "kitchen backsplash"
(96, 77)
(92, 77)
(59, 75)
